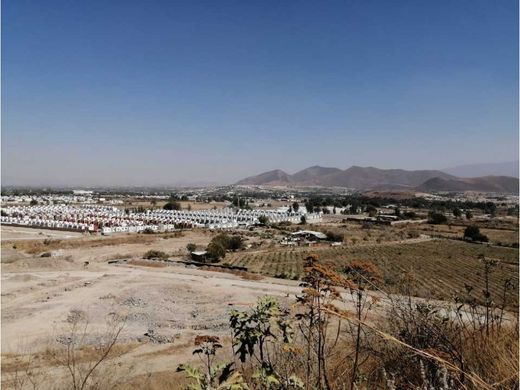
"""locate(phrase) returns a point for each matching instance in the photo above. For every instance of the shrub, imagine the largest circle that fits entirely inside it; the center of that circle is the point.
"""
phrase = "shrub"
(191, 247)
(410, 215)
(413, 234)
(235, 243)
(172, 205)
(473, 233)
(227, 242)
(436, 218)
(215, 251)
(223, 240)
(335, 237)
(153, 254)
(371, 210)
(263, 220)
(457, 213)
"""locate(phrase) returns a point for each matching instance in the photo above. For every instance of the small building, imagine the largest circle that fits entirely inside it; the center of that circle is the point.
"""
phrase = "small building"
(309, 235)
(82, 192)
(201, 256)
(388, 217)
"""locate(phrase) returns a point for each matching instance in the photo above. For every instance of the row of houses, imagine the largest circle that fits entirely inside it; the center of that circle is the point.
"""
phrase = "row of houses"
(113, 220)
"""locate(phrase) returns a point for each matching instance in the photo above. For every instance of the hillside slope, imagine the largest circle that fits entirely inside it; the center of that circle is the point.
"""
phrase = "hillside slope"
(275, 177)
(502, 184)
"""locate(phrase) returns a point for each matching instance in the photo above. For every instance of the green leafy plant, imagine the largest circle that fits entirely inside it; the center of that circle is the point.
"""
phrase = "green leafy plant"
(255, 333)
(211, 375)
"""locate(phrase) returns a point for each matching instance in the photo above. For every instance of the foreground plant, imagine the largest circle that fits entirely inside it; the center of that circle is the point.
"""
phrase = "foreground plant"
(364, 275)
(320, 290)
(259, 336)
(211, 375)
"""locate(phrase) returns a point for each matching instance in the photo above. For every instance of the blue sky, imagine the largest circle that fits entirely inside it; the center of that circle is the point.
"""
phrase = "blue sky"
(163, 92)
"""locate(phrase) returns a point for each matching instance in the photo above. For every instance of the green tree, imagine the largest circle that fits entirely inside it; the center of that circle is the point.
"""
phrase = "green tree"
(239, 202)
(473, 233)
(215, 251)
(235, 243)
(295, 207)
(191, 247)
(457, 213)
(222, 239)
(371, 210)
(410, 215)
(436, 218)
(263, 220)
(469, 214)
(33, 202)
(172, 205)
(335, 237)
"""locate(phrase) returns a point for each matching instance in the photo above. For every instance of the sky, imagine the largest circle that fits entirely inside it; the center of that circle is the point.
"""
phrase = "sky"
(124, 92)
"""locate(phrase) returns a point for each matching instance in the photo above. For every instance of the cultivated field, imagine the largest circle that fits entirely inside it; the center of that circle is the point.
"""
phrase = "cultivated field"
(440, 268)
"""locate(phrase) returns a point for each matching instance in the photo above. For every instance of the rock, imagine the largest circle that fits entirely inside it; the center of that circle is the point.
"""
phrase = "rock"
(156, 338)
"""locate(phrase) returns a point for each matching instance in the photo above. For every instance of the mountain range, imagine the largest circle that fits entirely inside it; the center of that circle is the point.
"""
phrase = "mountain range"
(508, 168)
(370, 178)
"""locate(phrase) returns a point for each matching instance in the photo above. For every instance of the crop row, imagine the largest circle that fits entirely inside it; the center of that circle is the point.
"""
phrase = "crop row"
(440, 268)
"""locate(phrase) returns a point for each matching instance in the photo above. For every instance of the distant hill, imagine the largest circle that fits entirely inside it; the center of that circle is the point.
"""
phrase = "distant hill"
(313, 175)
(271, 178)
(374, 178)
(483, 184)
(509, 168)
(370, 178)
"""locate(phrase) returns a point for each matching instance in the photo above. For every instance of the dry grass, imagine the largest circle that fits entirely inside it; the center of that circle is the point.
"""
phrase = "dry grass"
(38, 246)
(146, 263)
(243, 274)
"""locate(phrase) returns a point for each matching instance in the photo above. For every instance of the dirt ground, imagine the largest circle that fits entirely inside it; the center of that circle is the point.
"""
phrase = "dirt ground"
(165, 306)
(172, 303)
(14, 233)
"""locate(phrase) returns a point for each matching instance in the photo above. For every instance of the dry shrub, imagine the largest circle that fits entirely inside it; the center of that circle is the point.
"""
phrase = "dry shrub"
(167, 236)
(243, 274)
(145, 263)
(495, 357)
(118, 256)
(80, 359)
(88, 357)
(473, 358)
(154, 254)
(38, 246)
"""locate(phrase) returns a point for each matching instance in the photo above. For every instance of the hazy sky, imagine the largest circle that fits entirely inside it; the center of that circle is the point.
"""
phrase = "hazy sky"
(160, 92)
